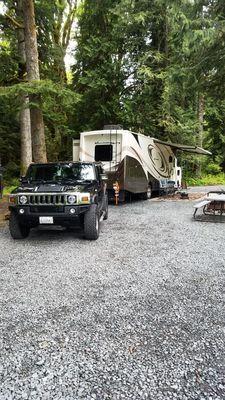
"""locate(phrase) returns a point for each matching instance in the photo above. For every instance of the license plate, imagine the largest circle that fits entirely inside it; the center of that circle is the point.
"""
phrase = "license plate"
(45, 220)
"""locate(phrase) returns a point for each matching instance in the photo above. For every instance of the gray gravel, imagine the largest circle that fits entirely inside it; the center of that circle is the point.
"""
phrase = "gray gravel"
(205, 189)
(138, 314)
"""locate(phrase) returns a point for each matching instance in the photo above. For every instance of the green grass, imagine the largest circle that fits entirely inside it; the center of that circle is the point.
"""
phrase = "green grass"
(8, 189)
(207, 180)
(9, 186)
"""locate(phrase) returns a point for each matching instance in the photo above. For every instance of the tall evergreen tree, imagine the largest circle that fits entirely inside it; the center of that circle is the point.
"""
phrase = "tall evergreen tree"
(32, 67)
(97, 71)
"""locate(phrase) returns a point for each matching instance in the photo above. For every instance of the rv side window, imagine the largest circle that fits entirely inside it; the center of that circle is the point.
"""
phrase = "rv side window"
(103, 152)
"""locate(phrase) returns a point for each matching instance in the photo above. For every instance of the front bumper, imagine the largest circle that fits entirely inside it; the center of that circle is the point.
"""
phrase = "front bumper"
(61, 215)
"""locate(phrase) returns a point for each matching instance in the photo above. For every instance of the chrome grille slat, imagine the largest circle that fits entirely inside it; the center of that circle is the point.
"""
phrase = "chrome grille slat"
(47, 199)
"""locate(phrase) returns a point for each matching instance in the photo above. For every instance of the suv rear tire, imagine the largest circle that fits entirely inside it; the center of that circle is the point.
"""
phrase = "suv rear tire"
(91, 223)
(17, 230)
(106, 207)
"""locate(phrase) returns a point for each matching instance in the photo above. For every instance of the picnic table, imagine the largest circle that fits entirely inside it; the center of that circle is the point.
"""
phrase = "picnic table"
(212, 204)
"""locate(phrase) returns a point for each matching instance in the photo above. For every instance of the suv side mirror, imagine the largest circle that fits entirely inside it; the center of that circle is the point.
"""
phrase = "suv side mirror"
(103, 177)
(23, 179)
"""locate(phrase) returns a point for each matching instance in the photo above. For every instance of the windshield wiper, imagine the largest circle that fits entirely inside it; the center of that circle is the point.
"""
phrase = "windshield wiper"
(43, 181)
(77, 180)
(70, 180)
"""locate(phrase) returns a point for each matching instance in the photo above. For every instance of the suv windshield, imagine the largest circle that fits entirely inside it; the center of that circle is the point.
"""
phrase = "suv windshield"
(58, 172)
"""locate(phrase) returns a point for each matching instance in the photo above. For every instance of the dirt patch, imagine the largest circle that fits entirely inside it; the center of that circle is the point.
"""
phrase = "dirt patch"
(177, 196)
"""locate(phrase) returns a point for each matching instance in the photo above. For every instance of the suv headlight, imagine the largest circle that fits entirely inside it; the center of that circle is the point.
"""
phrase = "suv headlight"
(71, 199)
(23, 199)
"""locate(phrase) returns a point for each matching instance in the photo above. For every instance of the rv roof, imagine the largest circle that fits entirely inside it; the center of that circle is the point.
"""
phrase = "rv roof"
(105, 131)
(111, 131)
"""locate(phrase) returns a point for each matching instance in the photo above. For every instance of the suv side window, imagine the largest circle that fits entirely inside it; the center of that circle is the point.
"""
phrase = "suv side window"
(99, 171)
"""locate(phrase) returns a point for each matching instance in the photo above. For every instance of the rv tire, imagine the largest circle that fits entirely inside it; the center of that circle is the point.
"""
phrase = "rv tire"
(91, 223)
(147, 195)
(17, 230)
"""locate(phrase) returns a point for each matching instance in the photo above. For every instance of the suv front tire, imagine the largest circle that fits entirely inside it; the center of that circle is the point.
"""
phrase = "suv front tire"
(17, 230)
(91, 223)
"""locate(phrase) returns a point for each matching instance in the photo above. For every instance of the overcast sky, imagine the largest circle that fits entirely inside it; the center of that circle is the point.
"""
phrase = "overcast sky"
(1, 6)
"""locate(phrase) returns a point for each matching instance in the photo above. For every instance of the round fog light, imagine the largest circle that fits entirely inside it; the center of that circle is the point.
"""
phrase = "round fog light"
(21, 211)
(72, 211)
(71, 199)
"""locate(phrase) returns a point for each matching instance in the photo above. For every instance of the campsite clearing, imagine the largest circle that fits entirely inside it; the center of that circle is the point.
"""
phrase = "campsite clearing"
(138, 314)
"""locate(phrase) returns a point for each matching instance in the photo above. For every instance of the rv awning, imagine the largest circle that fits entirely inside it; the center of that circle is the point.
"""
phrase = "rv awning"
(184, 147)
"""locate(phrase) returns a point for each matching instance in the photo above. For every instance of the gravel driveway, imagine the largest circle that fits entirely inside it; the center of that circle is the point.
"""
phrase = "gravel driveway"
(138, 314)
(205, 189)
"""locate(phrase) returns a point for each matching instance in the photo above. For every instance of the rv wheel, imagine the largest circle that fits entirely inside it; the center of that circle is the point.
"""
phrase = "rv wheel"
(147, 195)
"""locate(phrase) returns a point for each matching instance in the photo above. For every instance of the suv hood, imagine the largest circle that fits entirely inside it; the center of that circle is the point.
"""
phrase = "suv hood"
(53, 188)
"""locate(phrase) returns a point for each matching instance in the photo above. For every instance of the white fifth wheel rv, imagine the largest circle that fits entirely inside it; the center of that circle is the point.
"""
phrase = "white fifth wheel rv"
(139, 163)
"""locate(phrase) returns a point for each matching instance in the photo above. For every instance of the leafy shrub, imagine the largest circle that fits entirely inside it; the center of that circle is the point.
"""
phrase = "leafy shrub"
(11, 173)
(207, 180)
(212, 169)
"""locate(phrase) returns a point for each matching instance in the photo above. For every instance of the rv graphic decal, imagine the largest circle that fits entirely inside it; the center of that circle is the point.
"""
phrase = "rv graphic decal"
(158, 160)
(137, 155)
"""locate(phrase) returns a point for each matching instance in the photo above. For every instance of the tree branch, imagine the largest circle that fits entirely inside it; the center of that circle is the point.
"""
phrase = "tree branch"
(68, 24)
(14, 21)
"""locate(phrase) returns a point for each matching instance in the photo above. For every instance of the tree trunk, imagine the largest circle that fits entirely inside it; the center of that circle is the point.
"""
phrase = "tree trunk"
(37, 123)
(199, 138)
(60, 67)
(25, 135)
(25, 128)
(201, 109)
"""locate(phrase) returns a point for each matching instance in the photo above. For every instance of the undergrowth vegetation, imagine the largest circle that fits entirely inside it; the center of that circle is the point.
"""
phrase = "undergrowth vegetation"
(206, 180)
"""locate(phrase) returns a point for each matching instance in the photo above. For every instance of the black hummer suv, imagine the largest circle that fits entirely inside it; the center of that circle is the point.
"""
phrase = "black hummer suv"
(64, 193)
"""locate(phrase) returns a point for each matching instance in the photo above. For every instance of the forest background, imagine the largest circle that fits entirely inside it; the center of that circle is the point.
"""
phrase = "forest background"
(154, 66)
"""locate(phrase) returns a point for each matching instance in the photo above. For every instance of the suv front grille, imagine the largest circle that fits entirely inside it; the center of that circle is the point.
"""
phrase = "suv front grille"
(47, 199)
